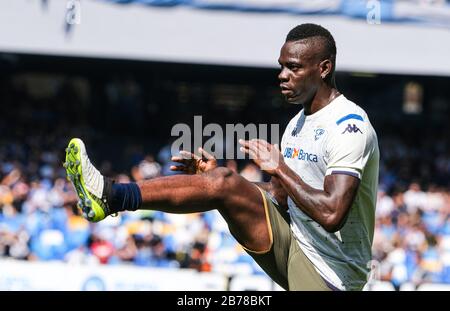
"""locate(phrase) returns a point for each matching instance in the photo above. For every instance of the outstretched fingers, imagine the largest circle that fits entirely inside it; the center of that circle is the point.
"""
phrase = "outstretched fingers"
(185, 160)
(254, 147)
(206, 154)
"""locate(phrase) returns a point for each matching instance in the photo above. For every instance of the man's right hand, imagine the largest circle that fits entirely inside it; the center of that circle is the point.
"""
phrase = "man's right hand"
(194, 164)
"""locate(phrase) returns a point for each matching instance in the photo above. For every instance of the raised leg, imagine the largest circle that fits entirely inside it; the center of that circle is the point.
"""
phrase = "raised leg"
(238, 200)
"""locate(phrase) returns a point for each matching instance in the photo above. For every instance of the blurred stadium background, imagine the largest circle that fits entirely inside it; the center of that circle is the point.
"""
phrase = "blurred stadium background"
(120, 74)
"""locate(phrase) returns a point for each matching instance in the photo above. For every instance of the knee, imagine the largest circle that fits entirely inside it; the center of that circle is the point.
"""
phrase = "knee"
(221, 180)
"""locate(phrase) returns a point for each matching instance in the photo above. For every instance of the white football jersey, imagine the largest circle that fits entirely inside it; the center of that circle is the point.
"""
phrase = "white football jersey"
(337, 139)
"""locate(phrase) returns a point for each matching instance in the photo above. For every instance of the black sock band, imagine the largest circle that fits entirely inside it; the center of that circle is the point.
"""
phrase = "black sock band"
(124, 197)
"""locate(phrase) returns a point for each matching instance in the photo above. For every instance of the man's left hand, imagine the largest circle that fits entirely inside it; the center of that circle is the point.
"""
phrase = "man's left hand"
(266, 156)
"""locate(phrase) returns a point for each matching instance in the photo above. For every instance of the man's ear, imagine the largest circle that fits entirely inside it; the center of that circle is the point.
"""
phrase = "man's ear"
(326, 67)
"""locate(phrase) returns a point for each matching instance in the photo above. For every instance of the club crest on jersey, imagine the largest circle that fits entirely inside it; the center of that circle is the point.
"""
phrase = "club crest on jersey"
(351, 129)
(318, 133)
(299, 154)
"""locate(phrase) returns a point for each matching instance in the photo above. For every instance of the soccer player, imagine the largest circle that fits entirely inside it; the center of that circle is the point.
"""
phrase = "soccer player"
(309, 228)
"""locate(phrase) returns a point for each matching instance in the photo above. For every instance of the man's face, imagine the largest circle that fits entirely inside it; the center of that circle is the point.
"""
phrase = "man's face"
(300, 72)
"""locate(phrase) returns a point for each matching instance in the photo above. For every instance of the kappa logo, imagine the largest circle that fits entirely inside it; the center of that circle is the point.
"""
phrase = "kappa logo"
(319, 133)
(351, 129)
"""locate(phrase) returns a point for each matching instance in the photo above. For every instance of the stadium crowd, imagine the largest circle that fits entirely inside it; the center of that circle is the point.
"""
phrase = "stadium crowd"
(39, 219)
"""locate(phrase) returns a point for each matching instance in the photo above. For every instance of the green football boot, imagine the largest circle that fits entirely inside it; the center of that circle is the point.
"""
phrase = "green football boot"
(89, 184)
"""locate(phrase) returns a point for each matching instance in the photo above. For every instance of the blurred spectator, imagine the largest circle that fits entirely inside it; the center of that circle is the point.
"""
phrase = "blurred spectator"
(146, 169)
(252, 173)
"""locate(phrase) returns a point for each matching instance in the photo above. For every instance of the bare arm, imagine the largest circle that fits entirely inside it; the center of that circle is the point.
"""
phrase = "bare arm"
(330, 206)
